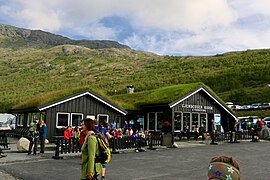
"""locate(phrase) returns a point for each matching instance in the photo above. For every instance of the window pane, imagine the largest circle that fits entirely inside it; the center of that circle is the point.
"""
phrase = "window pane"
(203, 122)
(195, 121)
(62, 120)
(102, 118)
(159, 120)
(186, 120)
(76, 118)
(151, 121)
(177, 121)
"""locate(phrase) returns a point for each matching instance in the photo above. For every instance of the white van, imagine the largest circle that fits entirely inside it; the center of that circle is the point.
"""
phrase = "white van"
(7, 122)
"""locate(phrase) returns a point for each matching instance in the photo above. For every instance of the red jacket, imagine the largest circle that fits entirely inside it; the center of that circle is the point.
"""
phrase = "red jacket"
(67, 134)
(82, 137)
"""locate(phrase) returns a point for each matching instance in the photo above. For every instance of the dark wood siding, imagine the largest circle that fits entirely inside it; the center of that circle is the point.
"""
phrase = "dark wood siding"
(85, 105)
(203, 104)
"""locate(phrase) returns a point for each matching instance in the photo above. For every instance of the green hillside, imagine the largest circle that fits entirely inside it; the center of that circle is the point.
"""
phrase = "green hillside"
(240, 77)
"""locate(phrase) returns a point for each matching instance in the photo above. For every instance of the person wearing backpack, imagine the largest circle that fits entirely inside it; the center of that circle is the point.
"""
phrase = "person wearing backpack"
(106, 137)
(90, 150)
(33, 136)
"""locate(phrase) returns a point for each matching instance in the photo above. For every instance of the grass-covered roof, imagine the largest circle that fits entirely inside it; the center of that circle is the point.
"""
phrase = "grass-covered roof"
(164, 95)
(157, 96)
(127, 101)
(43, 99)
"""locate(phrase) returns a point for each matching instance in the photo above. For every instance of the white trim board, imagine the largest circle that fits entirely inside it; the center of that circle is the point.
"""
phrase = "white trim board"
(208, 95)
(80, 95)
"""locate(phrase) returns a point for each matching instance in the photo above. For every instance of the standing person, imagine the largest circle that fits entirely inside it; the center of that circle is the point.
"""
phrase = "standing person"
(213, 131)
(77, 136)
(107, 135)
(223, 167)
(67, 133)
(126, 126)
(113, 124)
(33, 136)
(82, 134)
(196, 132)
(90, 149)
(42, 135)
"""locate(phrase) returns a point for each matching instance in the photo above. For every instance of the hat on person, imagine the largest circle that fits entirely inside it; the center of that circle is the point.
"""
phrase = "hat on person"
(224, 171)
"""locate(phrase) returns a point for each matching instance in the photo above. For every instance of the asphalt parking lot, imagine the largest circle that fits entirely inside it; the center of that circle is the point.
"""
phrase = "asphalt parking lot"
(185, 163)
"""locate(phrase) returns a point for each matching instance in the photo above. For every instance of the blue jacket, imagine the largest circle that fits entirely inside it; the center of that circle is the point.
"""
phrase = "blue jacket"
(42, 131)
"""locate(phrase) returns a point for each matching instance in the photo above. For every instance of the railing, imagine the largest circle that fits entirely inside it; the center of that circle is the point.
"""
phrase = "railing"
(18, 132)
(64, 146)
(233, 137)
(4, 141)
(126, 142)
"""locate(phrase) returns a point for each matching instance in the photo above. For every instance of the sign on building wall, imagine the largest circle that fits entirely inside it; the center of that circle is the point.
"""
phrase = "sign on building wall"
(217, 119)
(197, 108)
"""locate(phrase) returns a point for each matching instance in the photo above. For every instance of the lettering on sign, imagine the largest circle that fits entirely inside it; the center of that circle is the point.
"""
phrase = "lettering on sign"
(198, 108)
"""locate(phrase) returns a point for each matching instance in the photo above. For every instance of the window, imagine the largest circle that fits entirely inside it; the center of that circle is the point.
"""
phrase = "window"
(20, 119)
(62, 120)
(177, 121)
(155, 120)
(76, 119)
(151, 121)
(195, 121)
(102, 117)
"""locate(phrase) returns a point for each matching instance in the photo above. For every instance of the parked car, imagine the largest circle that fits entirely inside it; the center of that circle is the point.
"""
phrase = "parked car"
(236, 107)
(229, 104)
(266, 121)
(265, 106)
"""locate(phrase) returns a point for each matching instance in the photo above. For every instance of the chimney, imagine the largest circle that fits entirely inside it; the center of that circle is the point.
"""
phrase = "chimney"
(130, 89)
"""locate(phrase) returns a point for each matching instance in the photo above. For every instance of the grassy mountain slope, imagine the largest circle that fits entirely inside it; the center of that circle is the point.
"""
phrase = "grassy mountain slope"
(13, 37)
(32, 63)
(240, 77)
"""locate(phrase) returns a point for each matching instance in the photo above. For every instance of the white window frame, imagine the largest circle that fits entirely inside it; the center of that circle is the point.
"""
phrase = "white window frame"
(182, 125)
(20, 120)
(206, 120)
(57, 119)
(155, 120)
(91, 116)
(181, 120)
(102, 115)
(70, 124)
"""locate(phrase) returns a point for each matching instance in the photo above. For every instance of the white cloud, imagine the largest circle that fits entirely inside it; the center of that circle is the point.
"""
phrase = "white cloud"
(174, 26)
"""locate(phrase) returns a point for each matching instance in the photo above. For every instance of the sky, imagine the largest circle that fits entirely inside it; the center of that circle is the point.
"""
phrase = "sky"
(165, 27)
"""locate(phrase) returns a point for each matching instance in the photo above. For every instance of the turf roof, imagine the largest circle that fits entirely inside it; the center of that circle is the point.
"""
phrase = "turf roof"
(157, 96)
(52, 96)
(127, 101)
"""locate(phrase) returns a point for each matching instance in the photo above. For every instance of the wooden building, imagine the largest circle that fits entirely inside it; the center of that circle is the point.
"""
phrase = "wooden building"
(68, 111)
(181, 105)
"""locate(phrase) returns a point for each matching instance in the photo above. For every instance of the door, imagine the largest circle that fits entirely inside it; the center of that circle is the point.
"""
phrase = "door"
(177, 121)
(185, 121)
(194, 121)
(203, 121)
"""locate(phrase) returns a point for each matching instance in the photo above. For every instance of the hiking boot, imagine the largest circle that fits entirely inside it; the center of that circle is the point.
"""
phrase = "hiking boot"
(103, 178)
